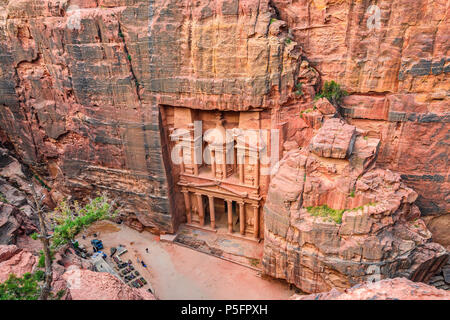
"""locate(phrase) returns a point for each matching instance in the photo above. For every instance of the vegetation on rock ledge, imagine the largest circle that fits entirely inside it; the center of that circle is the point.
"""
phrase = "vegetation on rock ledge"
(326, 212)
(333, 92)
(333, 214)
(70, 221)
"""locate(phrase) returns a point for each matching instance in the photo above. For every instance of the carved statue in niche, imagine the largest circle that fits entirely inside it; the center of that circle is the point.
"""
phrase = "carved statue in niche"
(221, 147)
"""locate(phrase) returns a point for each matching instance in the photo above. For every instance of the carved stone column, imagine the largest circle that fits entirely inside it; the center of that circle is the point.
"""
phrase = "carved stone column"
(256, 221)
(257, 165)
(212, 212)
(187, 202)
(241, 169)
(201, 209)
(242, 217)
(213, 163)
(230, 215)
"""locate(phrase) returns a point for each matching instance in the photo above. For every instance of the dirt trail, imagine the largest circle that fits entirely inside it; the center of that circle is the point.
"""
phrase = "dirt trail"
(177, 272)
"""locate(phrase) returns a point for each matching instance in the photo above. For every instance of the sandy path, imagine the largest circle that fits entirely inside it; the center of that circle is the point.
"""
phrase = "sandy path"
(177, 272)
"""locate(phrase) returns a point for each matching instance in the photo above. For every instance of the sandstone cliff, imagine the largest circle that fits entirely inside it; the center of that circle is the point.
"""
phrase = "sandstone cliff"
(81, 83)
(333, 219)
(393, 57)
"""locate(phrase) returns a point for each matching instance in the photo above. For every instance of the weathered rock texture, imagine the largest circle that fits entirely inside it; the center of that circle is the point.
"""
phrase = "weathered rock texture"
(14, 260)
(378, 232)
(389, 289)
(396, 69)
(89, 285)
(82, 82)
(73, 105)
(13, 223)
(81, 89)
(441, 279)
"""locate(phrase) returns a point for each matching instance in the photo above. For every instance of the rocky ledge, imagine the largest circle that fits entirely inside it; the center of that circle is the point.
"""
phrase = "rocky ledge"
(389, 289)
(334, 220)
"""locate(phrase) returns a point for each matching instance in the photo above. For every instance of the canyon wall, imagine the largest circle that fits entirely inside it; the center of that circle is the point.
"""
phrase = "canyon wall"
(393, 57)
(82, 82)
(333, 219)
(73, 106)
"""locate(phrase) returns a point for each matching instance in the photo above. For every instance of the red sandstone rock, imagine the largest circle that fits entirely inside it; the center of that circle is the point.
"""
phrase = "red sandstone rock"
(325, 107)
(334, 140)
(15, 261)
(82, 106)
(389, 289)
(396, 73)
(380, 230)
(86, 118)
(13, 223)
(89, 285)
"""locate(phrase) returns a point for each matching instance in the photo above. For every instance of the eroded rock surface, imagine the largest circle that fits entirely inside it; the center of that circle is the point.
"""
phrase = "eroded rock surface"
(89, 285)
(14, 260)
(14, 223)
(389, 289)
(82, 82)
(393, 57)
(333, 223)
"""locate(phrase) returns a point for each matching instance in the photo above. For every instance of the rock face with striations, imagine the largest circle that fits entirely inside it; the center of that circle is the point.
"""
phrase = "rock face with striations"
(393, 58)
(14, 260)
(82, 83)
(333, 222)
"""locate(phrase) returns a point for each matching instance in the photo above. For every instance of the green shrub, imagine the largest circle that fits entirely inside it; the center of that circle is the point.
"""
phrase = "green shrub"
(41, 261)
(272, 21)
(333, 92)
(326, 212)
(288, 40)
(70, 222)
(24, 288)
(3, 198)
(299, 90)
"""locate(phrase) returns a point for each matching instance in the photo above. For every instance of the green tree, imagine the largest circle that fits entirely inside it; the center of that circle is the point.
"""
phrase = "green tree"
(24, 288)
(333, 92)
(69, 220)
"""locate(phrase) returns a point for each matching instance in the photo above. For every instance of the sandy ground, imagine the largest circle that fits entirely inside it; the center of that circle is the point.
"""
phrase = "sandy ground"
(176, 272)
